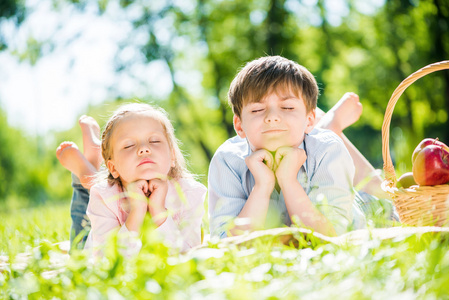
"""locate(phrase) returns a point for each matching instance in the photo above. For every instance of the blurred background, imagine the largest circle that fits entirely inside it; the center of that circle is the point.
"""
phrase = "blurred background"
(60, 59)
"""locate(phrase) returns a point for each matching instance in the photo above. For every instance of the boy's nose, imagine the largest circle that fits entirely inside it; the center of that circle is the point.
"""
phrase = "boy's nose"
(272, 116)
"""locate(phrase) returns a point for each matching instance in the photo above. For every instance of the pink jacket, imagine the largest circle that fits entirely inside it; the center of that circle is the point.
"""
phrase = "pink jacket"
(181, 229)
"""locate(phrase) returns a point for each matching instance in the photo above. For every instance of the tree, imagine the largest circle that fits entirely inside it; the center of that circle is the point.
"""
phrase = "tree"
(203, 43)
(11, 10)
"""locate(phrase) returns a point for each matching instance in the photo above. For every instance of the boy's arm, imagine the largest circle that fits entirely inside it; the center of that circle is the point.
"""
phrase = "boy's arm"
(254, 211)
(289, 161)
(332, 185)
(228, 198)
(260, 164)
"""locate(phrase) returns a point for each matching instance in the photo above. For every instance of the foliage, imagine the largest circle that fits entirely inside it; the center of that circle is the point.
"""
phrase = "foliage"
(25, 167)
(13, 10)
(363, 47)
(366, 52)
(409, 267)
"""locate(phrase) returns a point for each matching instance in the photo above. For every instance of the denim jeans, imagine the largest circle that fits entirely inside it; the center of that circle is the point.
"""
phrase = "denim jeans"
(371, 206)
(80, 222)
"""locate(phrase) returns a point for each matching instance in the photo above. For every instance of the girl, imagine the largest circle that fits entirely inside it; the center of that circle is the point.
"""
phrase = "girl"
(83, 166)
(144, 167)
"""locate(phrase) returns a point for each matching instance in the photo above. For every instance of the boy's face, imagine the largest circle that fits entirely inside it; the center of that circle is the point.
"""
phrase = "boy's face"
(279, 119)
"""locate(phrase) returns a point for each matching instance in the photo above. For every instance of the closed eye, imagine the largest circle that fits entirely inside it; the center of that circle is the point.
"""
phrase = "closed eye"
(128, 146)
(154, 142)
(257, 110)
(288, 108)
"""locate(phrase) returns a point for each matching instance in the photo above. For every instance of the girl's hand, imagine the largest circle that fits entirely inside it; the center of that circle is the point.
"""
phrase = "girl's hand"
(138, 203)
(260, 163)
(138, 192)
(158, 192)
(288, 161)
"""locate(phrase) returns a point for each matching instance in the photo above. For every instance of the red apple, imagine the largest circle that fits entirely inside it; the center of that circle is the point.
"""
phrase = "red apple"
(427, 142)
(431, 165)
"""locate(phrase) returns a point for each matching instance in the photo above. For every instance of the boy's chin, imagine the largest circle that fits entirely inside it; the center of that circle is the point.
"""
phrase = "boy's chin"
(272, 150)
(274, 147)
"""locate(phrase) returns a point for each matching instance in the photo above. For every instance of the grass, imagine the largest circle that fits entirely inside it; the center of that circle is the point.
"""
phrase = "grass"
(406, 267)
(25, 229)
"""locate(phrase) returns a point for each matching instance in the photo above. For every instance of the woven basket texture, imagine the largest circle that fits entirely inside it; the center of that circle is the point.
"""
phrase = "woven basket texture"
(416, 205)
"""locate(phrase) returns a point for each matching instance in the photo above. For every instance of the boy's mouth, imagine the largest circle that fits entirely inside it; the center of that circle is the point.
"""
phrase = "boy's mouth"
(273, 131)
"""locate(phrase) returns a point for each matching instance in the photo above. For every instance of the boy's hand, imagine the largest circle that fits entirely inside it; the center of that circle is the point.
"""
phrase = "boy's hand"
(260, 163)
(287, 162)
(158, 189)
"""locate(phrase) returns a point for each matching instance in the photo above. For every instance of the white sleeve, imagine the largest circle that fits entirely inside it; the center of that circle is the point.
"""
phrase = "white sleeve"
(226, 195)
(104, 222)
(186, 233)
(332, 186)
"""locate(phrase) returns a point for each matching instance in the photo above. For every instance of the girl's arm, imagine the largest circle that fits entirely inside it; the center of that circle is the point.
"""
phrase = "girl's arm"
(105, 219)
(192, 215)
(156, 206)
(183, 228)
(138, 203)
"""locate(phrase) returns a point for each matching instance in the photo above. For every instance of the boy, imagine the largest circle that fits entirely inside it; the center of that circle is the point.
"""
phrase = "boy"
(279, 167)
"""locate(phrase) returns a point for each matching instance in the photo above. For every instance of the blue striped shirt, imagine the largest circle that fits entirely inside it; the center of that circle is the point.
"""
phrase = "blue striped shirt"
(326, 176)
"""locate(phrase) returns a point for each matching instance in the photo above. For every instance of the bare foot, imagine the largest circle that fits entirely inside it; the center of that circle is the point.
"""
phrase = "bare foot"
(73, 160)
(343, 114)
(91, 140)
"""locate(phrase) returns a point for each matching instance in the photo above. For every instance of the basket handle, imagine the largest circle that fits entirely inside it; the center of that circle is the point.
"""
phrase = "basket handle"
(390, 174)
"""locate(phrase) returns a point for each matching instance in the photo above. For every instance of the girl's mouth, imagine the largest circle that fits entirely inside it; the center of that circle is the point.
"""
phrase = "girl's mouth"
(145, 161)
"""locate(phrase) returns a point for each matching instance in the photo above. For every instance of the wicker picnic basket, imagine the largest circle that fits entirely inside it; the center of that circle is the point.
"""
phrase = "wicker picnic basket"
(417, 205)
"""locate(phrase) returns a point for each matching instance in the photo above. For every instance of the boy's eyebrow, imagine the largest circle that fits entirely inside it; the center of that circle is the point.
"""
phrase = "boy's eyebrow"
(283, 98)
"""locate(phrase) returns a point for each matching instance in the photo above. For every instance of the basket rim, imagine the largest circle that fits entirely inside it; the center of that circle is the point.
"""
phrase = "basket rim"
(390, 174)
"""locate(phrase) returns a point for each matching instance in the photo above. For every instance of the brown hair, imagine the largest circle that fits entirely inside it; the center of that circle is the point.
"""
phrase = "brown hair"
(271, 73)
(177, 171)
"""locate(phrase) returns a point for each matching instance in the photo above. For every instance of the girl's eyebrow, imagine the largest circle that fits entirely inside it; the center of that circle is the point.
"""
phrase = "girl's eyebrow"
(125, 140)
(158, 133)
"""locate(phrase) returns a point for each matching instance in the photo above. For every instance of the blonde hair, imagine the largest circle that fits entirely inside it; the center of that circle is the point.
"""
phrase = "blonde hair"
(269, 74)
(177, 171)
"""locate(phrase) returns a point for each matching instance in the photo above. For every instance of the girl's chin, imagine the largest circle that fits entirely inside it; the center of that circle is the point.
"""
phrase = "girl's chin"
(152, 175)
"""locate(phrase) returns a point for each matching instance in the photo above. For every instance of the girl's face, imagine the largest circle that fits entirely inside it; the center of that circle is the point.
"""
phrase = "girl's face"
(140, 149)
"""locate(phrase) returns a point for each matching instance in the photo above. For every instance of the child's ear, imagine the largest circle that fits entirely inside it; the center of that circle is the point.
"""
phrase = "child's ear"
(173, 158)
(112, 169)
(238, 127)
(310, 121)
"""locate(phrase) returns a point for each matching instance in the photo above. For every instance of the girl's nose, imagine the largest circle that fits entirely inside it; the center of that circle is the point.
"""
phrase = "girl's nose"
(144, 150)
